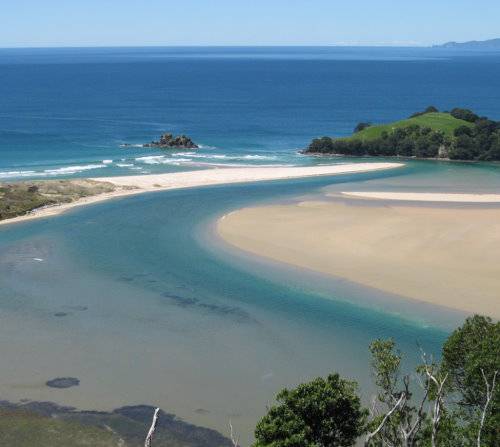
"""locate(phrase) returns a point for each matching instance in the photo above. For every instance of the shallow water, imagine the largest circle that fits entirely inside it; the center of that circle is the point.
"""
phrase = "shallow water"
(159, 312)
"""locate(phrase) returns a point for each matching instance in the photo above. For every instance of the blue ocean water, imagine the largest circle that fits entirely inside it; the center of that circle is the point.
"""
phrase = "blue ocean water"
(67, 111)
(152, 307)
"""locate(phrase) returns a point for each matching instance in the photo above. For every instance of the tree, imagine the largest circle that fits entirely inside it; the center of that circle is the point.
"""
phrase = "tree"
(321, 413)
(464, 114)
(361, 126)
(471, 357)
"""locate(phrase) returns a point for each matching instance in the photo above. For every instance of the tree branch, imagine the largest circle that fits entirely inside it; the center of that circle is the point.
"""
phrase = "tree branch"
(489, 394)
(369, 437)
(234, 440)
(152, 429)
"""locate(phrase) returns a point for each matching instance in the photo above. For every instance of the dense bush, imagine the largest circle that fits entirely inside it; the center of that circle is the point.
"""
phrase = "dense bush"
(430, 109)
(411, 141)
(322, 413)
(464, 114)
(361, 126)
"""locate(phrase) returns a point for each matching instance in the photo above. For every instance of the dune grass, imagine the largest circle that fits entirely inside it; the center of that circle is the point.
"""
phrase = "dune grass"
(19, 198)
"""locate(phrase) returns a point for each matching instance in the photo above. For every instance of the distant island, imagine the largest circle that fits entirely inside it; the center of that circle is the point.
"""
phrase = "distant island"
(169, 141)
(491, 44)
(456, 135)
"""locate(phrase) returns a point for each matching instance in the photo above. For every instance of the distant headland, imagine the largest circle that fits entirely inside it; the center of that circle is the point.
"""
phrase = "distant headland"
(491, 44)
(456, 135)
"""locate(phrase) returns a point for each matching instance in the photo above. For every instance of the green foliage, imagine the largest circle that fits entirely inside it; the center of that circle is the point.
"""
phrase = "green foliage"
(464, 114)
(385, 363)
(471, 348)
(459, 135)
(361, 126)
(411, 141)
(20, 198)
(430, 109)
(327, 412)
(324, 412)
(443, 122)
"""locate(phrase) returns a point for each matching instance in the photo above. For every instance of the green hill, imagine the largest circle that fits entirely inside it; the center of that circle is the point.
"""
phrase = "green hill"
(456, 135)
(439, 121)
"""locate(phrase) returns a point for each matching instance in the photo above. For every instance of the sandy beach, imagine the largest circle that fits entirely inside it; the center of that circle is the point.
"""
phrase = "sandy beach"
(438, 255)
(426, 196)
(131, 185)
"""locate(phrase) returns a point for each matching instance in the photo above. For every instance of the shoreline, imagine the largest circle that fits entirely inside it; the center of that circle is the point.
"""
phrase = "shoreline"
(424, 197)
(138, 184)
(421, 253)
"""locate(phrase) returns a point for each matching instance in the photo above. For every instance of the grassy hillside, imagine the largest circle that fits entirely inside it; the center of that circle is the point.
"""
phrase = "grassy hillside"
(436, 121)
(457, 135)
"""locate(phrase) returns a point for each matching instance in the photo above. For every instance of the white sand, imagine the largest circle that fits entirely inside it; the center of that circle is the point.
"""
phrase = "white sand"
(427, 196)
(190, 179)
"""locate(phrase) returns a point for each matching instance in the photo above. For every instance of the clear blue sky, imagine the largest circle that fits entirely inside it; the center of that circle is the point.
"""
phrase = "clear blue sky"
(245, 22)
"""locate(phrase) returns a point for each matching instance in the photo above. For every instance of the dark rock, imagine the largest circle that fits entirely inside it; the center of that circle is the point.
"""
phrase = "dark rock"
(63, 382)
(169, 141)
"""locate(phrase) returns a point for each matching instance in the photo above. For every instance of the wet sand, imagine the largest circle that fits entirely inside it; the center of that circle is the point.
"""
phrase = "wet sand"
(440, 255)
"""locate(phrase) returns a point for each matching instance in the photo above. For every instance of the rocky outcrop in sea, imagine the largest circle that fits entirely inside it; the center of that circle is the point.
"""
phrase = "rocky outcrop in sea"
(169, 141)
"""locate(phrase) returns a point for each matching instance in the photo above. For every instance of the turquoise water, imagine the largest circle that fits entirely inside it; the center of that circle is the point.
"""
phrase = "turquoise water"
(159, 311)
(137, 297)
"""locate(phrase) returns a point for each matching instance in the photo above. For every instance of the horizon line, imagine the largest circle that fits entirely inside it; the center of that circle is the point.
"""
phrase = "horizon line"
(339, 45)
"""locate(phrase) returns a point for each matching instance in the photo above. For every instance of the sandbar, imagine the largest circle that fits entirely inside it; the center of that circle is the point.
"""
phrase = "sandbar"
(440, 255)
(136, 184)
(426, 196)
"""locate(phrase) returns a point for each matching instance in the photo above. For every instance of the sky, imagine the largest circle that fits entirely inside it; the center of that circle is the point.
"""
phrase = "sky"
(61, 23)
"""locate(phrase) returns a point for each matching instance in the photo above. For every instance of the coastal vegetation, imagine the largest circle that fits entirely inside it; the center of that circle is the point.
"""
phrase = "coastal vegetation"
(43, 424)
(19, 198)
(452, 403)
(456, 135)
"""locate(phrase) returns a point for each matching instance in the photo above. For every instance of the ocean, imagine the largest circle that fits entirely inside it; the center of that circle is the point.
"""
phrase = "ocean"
(137, 297)
(66, 112)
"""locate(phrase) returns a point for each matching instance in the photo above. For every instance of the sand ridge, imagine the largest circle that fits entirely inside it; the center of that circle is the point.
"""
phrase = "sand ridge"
(137, 184)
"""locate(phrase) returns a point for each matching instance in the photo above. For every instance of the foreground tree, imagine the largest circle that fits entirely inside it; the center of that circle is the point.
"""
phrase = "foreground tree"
(471, 357)
(458, 404)
(400, 421)
(322, 413)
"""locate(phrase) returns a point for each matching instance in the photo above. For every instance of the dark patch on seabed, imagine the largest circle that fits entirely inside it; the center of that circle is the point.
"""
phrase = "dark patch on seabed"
(130, 424)
(183, 301)
(63, 382)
